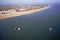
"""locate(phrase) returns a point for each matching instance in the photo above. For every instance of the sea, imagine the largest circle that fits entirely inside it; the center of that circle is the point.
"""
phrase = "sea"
(33, 26)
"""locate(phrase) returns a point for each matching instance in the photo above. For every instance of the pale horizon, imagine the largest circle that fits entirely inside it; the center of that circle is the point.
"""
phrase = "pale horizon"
(26, 2)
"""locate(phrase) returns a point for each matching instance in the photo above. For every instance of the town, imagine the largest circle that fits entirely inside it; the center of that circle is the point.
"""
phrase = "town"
(12, 9)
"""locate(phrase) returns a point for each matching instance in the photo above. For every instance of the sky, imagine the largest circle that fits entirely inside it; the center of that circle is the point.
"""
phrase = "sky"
(10, 2)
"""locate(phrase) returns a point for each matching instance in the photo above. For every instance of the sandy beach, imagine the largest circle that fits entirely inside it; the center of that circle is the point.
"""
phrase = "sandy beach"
(14, 14)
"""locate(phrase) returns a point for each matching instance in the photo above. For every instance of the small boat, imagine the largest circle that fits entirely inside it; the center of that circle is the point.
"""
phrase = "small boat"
(17, 29)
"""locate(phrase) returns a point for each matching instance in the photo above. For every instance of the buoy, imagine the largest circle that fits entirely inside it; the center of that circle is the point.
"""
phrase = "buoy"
(50, 29)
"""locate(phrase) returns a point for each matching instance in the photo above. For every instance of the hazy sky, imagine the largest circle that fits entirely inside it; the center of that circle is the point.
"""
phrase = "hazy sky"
(4, 2)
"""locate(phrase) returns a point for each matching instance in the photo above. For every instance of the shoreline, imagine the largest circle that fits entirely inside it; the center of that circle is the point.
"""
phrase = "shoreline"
(14, 14)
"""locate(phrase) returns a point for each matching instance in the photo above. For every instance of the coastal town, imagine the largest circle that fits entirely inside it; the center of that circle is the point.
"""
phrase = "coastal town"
(12, 9)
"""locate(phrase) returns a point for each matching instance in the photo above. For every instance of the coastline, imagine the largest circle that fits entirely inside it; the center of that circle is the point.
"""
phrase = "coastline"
(14, 14)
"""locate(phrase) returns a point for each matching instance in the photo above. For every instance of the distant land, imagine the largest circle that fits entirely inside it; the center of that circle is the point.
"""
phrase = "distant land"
(23, 4)
(13, 11)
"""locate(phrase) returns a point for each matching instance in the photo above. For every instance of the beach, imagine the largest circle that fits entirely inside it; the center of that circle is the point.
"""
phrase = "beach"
(14, 14)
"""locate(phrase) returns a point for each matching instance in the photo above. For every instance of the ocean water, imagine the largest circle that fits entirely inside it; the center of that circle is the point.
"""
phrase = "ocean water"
(34, 26)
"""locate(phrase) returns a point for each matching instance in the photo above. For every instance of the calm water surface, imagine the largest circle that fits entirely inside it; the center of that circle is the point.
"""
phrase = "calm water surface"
(34, 26)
